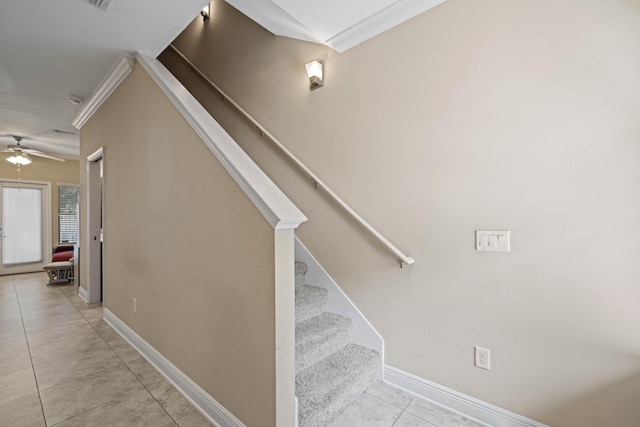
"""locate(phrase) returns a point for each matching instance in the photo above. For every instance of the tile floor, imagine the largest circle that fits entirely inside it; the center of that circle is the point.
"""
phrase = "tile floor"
(61, 365)
(387, 406)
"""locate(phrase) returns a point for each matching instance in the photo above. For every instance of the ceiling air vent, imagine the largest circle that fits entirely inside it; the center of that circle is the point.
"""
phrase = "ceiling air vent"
(101, 4)
(63, 132)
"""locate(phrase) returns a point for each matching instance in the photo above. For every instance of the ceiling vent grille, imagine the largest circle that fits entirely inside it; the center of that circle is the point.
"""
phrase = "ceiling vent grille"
(101, 4)
(63, 132)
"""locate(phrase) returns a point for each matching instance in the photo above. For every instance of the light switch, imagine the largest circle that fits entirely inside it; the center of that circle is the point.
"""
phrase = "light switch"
(493, 240)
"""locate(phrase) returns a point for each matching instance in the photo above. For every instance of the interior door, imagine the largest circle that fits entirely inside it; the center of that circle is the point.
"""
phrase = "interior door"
(95, 229)
(25, 221)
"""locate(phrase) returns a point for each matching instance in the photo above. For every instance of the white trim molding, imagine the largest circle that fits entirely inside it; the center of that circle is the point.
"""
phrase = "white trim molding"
(93, 228)
(82, 293)
(276, 208)
(279, 19)
(46, 226)
(209, 407)
(96, 155)
(387, 18)
(111, 81)
(458, 402)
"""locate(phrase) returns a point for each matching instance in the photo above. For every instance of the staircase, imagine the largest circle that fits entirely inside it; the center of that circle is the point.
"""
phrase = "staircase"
(331, 371)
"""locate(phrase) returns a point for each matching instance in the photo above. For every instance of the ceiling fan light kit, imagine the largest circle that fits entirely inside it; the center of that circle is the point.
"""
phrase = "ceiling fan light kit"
(19, 159)
(20, 153)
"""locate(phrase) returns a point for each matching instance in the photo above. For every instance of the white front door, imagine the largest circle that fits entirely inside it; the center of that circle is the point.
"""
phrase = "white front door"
(25, 223)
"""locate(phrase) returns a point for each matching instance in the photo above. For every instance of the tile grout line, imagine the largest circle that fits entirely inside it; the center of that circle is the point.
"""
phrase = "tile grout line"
(102, 338)
(144, 386)
(395, 421)
(68, 295)
(26, 338)
(89, 323)
(125, 364)
(403, 409)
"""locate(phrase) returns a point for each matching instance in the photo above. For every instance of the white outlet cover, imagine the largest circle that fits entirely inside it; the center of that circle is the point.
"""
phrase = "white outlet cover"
(482, 358)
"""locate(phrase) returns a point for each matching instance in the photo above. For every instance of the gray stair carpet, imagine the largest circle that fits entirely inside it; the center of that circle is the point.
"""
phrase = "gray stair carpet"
(331, 371)
(300, 271)
(310, 302)
(320, 337)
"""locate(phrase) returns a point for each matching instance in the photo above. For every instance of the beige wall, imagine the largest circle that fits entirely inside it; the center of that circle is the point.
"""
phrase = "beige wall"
(46, 170)
(476, 115)
(184, 240)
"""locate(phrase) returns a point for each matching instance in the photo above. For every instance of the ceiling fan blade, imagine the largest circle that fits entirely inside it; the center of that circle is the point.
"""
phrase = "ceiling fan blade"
(41, 154)
(19, 148)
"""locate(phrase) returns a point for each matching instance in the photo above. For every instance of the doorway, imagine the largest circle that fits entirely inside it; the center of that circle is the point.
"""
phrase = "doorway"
(25, 226)
(95, 227)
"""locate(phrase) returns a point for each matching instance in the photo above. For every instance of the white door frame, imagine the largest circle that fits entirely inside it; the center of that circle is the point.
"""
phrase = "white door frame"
(94, 220)
(46, 227)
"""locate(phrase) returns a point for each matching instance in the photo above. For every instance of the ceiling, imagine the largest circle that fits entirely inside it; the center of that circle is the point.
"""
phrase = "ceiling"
(51, 50)
(341, 24)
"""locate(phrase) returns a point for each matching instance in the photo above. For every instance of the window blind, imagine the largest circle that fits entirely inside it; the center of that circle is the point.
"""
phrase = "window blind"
(68, 200)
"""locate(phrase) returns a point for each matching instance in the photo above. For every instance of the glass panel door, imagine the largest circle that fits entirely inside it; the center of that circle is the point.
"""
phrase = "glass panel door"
(22, 232)
(22, 225)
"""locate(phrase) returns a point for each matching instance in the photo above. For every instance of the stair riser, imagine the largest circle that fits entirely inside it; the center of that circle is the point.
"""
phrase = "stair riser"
(348, 394)
(300, 272)
(299, 279)
(311, 352)
(328, 387)
(309, 305)
(306, 313)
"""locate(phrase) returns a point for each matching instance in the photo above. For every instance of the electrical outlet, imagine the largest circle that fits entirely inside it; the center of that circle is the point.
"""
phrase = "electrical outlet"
(483, 358)
(135, 305)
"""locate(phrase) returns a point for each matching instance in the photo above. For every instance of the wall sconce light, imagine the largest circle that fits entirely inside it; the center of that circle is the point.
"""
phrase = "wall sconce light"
(19, 159)
(315, 71)
(206, 12)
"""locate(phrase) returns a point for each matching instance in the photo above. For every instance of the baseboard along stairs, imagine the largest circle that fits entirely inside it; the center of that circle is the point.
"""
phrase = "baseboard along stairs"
(331, 371)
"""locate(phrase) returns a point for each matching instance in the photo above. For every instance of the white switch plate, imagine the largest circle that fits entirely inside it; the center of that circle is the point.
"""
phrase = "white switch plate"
(493, 240)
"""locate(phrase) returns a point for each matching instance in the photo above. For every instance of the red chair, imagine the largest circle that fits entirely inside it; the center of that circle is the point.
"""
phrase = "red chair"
(62, 253)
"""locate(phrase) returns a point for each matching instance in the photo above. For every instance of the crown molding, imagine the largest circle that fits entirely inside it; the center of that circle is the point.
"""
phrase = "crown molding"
(111, 81)
(387, 18)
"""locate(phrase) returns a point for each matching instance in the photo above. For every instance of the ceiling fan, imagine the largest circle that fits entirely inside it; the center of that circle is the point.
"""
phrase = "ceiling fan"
(21, 153)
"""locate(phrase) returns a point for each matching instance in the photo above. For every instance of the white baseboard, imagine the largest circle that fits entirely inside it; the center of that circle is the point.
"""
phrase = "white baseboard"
(82, 293)
(209, 407)
(461, 403)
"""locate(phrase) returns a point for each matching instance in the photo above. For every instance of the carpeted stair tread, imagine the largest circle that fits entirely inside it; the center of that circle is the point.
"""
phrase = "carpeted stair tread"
(300, 272)
(310, 302)
(319, 337)
(326, 388)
